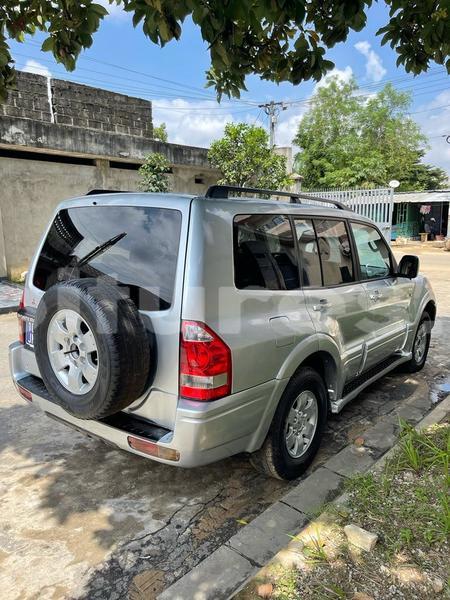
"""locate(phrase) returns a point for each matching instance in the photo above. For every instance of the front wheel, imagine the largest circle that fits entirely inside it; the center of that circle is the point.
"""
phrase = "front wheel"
(421, 345)
(297, 427)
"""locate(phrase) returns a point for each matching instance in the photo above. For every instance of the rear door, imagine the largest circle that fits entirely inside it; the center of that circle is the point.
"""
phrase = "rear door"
(335, 300)
(388, 297)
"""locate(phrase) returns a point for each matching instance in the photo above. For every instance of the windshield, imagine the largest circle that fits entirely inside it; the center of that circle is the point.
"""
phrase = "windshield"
(136, 247)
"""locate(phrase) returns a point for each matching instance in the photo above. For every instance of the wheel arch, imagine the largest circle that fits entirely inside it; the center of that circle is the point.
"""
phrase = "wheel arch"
(324, 363)
(431, 309)
(326, 366)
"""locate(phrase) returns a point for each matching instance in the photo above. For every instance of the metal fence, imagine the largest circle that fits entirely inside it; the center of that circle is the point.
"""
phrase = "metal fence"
(376, 204)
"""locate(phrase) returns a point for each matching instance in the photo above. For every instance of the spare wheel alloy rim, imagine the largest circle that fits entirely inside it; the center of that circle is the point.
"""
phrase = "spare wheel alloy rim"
(72, 351)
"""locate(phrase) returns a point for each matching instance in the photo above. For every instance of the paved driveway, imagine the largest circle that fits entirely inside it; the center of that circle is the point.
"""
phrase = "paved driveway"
(81, 520)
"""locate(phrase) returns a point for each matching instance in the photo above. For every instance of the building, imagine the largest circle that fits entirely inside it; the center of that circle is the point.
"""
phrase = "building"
(421, 212)
(60, 139)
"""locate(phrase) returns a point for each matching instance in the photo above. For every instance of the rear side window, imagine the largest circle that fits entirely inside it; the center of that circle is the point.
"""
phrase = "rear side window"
(264, 253)
(374, 256)
(309, 253)
(136, 247)
(335, 252)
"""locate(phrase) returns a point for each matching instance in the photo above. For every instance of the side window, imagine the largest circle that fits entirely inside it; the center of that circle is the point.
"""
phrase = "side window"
(309, 253)
(373, 253)
(264, 253)
(335, 252)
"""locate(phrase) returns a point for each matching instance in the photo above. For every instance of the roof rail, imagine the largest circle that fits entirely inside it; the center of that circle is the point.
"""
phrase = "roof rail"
(223, 191)
(100, 191)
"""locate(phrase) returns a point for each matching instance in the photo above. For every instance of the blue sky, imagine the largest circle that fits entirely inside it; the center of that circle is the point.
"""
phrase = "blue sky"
(122, 59)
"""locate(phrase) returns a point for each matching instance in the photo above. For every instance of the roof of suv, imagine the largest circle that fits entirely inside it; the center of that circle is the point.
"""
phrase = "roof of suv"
(232, 204)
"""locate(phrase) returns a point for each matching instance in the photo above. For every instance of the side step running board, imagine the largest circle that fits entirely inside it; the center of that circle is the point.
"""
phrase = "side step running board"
(355, 386)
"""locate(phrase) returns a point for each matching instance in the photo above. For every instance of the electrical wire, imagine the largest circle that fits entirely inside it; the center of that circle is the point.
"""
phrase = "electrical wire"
(171, 92)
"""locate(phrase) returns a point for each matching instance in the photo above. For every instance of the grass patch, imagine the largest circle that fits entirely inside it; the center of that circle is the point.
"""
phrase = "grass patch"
(407, 505)
(410, 498)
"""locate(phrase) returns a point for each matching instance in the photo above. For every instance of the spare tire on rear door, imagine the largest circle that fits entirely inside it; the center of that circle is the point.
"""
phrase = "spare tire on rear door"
(92, 347)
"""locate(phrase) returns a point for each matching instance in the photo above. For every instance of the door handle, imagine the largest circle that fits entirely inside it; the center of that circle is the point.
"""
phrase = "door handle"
(323, 305)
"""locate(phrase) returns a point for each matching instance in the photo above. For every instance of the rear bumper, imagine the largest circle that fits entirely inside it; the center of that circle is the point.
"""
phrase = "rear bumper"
(203, 432)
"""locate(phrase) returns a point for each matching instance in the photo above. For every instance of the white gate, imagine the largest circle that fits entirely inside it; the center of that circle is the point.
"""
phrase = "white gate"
(376, 204)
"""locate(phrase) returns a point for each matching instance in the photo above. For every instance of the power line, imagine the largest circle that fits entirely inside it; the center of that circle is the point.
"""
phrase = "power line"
(127, 88)
(181, 91)
(202, 95)
(147, 75)
(201, 92)
(380, 83)
(429, 109)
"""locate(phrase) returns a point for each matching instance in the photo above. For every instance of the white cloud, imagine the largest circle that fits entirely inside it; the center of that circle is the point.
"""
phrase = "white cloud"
(287, 128)
(196, 123)
(343, 75)
(199, 123)
(374, 65)
(434, 124)
(33, 66)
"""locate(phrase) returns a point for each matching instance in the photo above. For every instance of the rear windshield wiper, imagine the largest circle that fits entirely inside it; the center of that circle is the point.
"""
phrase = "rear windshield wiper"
(100, 249)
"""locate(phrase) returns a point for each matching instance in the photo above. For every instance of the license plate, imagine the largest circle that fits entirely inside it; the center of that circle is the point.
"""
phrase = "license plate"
(29, 332)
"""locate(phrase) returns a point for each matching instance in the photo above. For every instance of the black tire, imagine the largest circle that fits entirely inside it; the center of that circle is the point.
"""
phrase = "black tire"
(416, 364)
(121, 338)
(273, 458)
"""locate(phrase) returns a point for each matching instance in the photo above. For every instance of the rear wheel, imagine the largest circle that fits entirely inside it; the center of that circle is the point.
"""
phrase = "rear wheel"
(297, 427)
(421, 345)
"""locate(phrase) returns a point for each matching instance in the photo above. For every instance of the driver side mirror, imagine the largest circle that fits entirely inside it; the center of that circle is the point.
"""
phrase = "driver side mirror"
(409, 266)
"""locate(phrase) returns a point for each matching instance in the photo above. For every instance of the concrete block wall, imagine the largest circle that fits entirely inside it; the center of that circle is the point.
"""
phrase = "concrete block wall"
(93, 108)
(29, 100)
(78, 105)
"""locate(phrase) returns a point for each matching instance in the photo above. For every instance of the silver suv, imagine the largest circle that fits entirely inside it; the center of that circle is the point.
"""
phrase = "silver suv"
(188, 329)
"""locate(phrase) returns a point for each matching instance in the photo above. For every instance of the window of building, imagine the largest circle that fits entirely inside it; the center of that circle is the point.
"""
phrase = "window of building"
(373, 253)
(264, 253)
(335, 252)
(309, 253)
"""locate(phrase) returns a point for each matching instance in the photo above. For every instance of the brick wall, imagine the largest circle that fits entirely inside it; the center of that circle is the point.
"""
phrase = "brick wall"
(78, 105)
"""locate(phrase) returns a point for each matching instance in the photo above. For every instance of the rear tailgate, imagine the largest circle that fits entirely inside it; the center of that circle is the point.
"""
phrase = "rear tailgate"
(149, 262)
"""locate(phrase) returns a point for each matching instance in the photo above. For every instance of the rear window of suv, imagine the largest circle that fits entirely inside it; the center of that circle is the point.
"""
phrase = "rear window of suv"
(135, 247)
(265, 256)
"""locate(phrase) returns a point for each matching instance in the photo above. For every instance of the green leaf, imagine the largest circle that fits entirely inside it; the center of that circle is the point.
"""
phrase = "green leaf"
(48, 44)
(100, 10)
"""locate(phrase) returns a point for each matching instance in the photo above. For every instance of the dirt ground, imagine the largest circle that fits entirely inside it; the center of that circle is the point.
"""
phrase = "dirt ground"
(81, 520)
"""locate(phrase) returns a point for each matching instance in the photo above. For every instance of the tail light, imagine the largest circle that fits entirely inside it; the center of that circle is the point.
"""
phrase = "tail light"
(21, 321)
(205, 363)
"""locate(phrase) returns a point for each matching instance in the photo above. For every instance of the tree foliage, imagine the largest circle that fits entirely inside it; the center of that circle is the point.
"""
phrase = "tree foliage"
(244, 158)
(280, 40)
(425, 177)
(160, 133)
(352, 140)
(154, 174)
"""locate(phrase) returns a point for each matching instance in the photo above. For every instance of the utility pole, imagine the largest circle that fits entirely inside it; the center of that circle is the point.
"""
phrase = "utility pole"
(272, 110)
